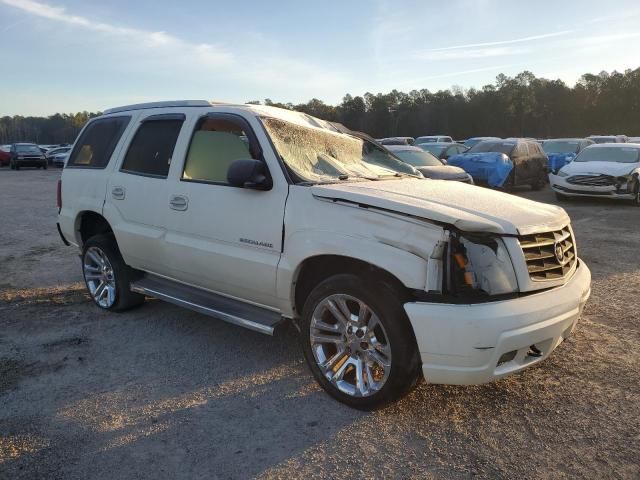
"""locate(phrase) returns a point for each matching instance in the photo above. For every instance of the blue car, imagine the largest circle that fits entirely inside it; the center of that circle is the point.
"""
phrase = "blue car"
(505, 163)
(563, 150)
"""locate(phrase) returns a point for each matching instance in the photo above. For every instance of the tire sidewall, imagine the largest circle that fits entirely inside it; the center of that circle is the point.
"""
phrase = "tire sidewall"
(387, 305)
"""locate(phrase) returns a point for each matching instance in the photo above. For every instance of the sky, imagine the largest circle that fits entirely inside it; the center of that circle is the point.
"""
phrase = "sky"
(76, 55)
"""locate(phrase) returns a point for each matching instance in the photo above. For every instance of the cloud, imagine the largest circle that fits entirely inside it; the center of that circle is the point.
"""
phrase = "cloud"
(502, 42)
(472, 53)
(205, 52)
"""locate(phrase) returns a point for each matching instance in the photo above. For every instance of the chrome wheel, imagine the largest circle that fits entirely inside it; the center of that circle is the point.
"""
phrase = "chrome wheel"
(350, 345)
(99, 276)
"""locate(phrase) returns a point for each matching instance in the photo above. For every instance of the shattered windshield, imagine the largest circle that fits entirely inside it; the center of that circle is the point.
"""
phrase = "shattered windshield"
(321, 155)
(558, 146)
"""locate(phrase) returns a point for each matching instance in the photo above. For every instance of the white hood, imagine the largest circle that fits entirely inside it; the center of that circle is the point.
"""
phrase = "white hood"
(469, 208)
(616, 169)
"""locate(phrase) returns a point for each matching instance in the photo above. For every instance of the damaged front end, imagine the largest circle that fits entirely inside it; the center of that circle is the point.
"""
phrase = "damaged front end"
(470, 267)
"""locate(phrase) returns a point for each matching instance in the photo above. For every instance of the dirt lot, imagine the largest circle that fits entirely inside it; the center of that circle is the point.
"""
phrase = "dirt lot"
(162, 392)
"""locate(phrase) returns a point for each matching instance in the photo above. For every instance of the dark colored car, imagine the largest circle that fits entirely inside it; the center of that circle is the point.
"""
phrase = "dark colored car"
(428, 165)
(5, 156)
(505, 163)
(27, 155)
(443, 150)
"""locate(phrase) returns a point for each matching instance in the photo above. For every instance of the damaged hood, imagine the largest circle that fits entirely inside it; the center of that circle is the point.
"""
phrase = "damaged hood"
(468, 208)
(615, 169)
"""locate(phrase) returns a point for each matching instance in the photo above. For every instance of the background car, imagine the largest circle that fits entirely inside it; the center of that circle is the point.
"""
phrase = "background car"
(26, 155)
(5, 156)
(610, 170)
(563, 150)
(434, 138)
(505, 163)
(609, 138)
(396, 141)
(443, 150)
(429, 165)
(472, 142)
(55, 155)
(634, 139)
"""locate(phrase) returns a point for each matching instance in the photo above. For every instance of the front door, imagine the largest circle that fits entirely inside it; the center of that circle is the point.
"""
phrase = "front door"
(223, 238)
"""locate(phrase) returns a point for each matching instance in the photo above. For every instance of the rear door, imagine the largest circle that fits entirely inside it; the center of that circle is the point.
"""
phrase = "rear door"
(137, 193)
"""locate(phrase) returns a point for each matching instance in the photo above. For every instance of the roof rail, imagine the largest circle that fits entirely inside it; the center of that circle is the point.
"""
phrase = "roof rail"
(170, 103)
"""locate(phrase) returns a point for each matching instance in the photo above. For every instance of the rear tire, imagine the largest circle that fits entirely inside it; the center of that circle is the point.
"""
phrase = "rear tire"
(106, 275)
(636, 191)
(365, 359)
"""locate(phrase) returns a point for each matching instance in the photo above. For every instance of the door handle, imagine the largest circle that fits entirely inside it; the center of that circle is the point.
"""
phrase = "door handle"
(118, 193)
(179, 202)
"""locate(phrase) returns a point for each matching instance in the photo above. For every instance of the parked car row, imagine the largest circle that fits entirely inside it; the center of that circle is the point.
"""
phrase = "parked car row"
(19, 155)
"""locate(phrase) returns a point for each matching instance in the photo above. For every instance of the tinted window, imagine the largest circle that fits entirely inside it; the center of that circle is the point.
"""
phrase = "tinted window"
(491, 146)
(215, 145)
(151, 149)
(418, 159)
(96, 144)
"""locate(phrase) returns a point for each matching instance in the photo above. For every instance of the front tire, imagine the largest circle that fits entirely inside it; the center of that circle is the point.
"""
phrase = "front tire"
(358, 342)
(106, 275)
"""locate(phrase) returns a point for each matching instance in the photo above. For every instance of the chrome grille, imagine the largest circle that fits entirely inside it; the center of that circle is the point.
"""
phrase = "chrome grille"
(549, 255)
(592, 180)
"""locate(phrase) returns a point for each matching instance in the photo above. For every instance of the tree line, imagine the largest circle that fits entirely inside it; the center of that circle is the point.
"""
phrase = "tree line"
(519, 106)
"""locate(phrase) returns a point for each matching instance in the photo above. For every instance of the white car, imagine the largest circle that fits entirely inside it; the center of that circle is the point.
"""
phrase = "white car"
(261, 216)
(609, 170)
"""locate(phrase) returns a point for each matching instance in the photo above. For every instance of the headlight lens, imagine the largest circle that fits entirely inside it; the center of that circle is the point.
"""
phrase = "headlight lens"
(480, 265)
(562, 174)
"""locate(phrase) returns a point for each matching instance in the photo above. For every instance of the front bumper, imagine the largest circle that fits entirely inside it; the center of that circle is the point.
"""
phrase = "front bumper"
(560, 185)
(468, 344)
(30, 162)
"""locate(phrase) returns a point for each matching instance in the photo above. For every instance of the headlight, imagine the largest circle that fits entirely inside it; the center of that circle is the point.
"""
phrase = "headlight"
(479, 265)
(562, 174)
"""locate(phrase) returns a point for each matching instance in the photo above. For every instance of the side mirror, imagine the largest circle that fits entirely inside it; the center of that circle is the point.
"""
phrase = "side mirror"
(249, 174)
(444, 160)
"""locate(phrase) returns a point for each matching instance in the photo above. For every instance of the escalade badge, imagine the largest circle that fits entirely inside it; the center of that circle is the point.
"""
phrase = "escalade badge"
(559, 253)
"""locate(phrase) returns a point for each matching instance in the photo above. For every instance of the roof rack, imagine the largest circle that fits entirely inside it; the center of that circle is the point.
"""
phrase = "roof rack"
(170, 103)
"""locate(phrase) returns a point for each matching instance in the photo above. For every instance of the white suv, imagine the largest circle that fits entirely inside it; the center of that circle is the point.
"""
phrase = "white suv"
(259, 216)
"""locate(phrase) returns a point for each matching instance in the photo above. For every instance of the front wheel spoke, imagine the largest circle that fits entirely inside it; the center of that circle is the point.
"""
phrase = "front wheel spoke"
(331, 363)
(323, 338)
(94, 256)
(380, 347)
(344, 308)
(110, 294)
(364, 314)
(92, 268)
(327, 327)
(360, 382)
(373, 323)
(379, 359)
(92, 276)
(337, 376)
(99, 291)
(370, 380)
(337, 312)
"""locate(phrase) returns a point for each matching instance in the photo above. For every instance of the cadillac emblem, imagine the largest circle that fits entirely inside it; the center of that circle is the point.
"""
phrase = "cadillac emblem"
(559, 253)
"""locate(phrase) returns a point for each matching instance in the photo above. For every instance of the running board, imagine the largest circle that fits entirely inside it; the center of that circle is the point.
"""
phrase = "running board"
(218, 306)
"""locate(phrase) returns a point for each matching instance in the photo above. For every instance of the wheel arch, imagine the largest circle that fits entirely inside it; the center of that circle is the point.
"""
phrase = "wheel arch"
(89, 223)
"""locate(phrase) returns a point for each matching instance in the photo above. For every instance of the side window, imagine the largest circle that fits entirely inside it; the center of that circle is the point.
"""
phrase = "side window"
(215, 145)
(152, 147)
(96, 144)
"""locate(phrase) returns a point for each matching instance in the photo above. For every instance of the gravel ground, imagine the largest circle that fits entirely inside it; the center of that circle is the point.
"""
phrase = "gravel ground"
(162, 392)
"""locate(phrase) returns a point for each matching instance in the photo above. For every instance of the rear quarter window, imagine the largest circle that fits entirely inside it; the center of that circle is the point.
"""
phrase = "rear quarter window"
(97, 142)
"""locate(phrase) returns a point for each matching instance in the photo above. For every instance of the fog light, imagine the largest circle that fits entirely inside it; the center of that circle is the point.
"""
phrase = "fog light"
(507, 357)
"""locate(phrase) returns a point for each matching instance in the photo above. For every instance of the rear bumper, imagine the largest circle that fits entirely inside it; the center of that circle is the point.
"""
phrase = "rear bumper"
(472, 344)
(559, 185)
